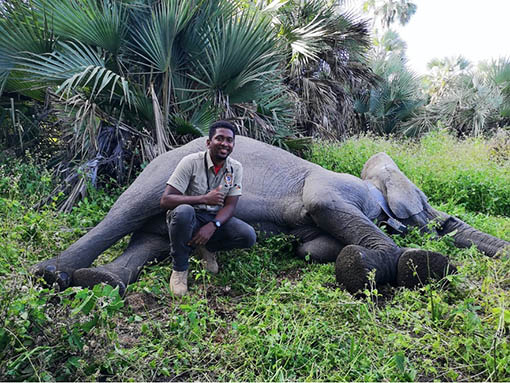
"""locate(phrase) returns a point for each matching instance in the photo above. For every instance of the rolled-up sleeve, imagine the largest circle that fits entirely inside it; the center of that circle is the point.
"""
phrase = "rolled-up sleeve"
(181, 176)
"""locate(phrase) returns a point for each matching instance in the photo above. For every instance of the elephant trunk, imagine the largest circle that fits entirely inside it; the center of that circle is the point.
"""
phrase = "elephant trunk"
(466, 236)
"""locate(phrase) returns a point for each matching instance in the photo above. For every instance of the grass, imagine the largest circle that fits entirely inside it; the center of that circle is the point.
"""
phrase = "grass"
(266, 316)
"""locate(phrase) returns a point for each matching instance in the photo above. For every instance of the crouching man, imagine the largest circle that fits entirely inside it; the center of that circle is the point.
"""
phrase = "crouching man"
(201, 196)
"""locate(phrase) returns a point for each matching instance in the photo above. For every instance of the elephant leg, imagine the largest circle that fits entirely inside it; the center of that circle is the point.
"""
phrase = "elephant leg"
(414, 267)
(368, 248)
(322, 249)
(144, 247)
(129, 214)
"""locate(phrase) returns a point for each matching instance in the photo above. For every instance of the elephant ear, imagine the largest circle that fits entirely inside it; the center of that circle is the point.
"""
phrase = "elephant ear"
(404, 198)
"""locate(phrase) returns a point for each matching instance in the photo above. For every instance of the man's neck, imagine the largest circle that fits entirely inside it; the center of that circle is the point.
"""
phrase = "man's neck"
(216, 162)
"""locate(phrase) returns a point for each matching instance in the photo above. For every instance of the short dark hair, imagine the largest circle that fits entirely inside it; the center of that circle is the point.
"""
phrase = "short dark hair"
(221, 124)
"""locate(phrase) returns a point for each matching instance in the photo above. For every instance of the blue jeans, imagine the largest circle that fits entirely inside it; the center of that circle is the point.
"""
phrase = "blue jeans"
(184, 221)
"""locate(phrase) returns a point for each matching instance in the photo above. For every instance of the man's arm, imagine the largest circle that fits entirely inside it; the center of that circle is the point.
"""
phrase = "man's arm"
(172, 198)
(224, 214)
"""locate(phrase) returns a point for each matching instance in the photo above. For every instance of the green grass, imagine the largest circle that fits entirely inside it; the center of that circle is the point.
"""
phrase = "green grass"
(266, 316)
(468, 173)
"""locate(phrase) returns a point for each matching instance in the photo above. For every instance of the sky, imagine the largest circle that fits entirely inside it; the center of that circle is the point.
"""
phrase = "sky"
(477, 30)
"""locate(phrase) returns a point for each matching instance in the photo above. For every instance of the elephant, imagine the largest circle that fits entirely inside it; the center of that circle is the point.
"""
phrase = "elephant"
(335, 216)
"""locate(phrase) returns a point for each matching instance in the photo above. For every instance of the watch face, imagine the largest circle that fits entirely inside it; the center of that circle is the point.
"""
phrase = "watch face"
(217, 223)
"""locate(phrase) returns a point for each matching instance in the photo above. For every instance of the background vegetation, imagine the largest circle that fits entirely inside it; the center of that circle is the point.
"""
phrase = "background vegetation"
(266, 315)
(103, 86)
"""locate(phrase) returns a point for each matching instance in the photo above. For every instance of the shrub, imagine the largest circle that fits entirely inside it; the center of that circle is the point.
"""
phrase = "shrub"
(442, 166)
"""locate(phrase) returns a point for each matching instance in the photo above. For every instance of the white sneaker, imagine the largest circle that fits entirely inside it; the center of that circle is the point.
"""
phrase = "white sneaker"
(208, 259)
(179, 283)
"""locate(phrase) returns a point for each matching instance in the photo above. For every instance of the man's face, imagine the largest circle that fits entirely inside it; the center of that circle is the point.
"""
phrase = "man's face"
(221, 145)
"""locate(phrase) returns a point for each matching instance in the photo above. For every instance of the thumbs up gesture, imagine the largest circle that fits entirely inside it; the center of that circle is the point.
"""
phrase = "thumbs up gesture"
(214, 197)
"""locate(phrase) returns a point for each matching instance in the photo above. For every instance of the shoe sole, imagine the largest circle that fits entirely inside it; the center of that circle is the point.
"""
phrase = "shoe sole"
(350, 271)
(418, 267)
(90, 277)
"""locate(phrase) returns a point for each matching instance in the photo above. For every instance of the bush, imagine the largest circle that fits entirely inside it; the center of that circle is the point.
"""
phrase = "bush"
(442, 166)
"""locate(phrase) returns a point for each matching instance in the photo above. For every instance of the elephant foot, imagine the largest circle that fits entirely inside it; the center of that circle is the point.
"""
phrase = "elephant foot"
(350, 269)
(52, 273)
(417, 267)
(89, 277)
(355, 262)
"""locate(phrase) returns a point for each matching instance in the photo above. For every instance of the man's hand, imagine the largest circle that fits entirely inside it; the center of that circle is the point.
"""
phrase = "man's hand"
(172, 198)
(203, 235)
(214, 197)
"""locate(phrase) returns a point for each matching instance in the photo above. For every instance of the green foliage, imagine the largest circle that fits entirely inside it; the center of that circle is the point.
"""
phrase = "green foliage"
(446, 169)
(468, 100)
(266, 316)
(386, 107)
(325, 54)
(115, 83)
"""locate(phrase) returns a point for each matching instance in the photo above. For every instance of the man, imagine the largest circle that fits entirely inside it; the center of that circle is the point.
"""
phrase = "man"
(201, 196)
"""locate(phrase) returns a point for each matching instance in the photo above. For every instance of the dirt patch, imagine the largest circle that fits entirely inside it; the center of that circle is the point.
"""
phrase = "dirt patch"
(127, 340)
(141, 302)
(291, 275)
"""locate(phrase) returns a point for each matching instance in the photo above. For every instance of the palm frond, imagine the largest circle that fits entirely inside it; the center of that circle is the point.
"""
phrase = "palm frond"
(193, 39)
(5, 69)
(154, 39)
(23, 29)
(102, 23)
(162, 133)
(394, 100)
(198, 123)
(75, 66)
(500, 75)
(305, 43)
(241, 51)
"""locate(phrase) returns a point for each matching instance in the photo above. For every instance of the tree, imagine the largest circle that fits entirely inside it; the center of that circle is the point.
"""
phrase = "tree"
(385, 108)
(325, 60)
(387, 12)
(120, 81)
(125, 77)
(468, 100)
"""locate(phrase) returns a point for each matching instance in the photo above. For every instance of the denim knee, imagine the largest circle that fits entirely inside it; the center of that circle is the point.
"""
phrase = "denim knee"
(249, 237)
(182, 214)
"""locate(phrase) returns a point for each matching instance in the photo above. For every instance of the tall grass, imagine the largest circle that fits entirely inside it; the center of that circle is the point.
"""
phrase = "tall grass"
(465, 173)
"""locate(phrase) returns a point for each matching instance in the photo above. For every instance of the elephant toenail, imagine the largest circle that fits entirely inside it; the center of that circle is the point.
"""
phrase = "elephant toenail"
(63, 276)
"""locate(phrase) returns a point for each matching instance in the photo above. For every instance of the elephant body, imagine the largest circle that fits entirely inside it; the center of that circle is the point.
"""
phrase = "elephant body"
(329, 212)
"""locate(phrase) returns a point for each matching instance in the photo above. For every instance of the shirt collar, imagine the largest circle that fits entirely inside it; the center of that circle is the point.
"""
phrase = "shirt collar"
(210, 163)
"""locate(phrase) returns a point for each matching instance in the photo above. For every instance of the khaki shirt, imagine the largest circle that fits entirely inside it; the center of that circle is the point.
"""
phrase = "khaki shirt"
(190, 177)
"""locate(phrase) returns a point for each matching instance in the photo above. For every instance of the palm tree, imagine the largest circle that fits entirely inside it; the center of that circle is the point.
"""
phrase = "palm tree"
(125, 80)
(385, 108)
(325, 55)
(128, 76)
(387, 12)
(468, 100)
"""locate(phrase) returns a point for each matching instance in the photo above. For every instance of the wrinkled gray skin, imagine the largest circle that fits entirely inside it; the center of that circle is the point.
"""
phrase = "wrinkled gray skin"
(281, 193)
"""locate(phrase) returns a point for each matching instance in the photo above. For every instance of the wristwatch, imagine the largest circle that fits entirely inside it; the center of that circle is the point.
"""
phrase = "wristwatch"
(217, 224)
